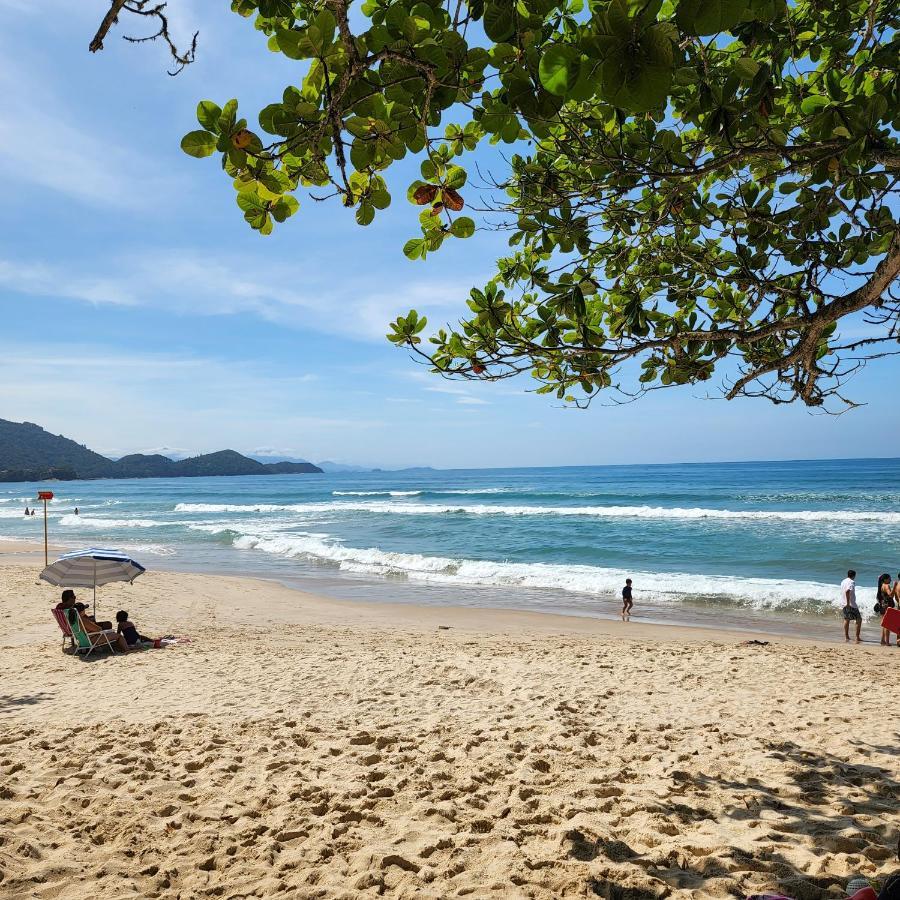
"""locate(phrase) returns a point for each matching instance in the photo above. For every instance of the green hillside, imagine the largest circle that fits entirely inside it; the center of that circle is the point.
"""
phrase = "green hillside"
(26, 446)
(29, 453)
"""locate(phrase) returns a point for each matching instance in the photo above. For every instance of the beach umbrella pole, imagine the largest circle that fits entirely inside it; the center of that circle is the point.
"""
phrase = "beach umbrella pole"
(95, 588)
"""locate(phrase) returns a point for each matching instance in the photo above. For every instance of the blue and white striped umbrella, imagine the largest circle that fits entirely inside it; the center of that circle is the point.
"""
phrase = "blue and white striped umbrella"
(89, 568)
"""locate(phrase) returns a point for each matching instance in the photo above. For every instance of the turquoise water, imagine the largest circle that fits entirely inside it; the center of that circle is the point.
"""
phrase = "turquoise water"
(758, 543)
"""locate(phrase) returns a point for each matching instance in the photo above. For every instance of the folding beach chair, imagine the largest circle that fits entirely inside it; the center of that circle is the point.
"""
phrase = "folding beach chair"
(83, 639)
(63, 622)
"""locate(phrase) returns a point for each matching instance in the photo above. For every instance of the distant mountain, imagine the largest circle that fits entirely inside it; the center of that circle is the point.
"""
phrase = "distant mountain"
(291, 468)
(29, 453)
(266, 458)
(144, 465)
(27, 447)
(333, 467)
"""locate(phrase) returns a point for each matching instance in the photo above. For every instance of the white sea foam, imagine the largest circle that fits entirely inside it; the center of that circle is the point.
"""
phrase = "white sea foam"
(600, 512)
(376, 493)
(759, 593)
(210, 529)
(242, 507)
(12, 513)
(152, 549)
(448, 491)
(90, 522)
(494, 490)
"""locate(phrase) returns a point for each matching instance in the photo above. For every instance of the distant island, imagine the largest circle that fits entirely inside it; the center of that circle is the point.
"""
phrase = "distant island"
(29, 453)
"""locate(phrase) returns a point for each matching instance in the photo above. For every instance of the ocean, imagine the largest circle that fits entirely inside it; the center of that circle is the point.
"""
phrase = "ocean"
(759, 546)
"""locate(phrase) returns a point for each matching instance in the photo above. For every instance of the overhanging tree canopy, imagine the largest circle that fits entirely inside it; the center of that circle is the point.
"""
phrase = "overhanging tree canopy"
(689, 182)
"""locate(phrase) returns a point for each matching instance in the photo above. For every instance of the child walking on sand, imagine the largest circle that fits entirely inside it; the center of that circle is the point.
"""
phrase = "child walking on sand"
(627, 602)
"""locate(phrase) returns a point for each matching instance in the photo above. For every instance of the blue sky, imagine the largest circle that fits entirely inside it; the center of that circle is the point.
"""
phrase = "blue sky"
(140, 312)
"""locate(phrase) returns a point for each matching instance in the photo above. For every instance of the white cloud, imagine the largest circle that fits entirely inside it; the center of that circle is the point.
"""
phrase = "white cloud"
(302, 295)
(464, 393)
(40, 279)
(61, 144)
(201, 403)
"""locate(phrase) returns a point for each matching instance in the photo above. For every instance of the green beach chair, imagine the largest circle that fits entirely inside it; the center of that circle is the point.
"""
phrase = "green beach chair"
(83, 642)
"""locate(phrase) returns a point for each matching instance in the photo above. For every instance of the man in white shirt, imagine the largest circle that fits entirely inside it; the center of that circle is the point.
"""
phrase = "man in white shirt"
(851, 610)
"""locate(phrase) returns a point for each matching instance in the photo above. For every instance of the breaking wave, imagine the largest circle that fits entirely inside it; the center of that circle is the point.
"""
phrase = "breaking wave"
(758, 593)
(603, 512)
(376, 493)
(90, 522)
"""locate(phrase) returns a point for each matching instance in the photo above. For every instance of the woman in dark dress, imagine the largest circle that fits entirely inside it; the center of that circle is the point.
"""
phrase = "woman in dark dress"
(884, 600)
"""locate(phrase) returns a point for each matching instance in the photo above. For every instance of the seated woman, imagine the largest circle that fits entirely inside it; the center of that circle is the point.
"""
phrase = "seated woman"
(129, 631)
(82, 608)
(95, 633)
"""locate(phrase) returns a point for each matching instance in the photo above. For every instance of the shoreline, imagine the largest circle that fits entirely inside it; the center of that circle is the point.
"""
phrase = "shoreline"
(462, 617)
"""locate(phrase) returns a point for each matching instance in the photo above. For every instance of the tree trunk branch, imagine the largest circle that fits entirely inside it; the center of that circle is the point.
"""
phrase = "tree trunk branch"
(108, 21)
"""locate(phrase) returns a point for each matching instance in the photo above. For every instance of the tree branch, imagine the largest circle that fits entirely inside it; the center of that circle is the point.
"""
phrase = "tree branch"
(111, 17)
(143, 8)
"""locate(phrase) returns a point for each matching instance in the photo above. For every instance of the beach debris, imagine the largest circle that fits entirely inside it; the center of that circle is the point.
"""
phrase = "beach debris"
(443, 627)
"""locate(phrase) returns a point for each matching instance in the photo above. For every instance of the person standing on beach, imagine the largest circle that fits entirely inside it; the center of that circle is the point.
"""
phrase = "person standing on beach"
(627, 602)
(851, 610)
(884, 600)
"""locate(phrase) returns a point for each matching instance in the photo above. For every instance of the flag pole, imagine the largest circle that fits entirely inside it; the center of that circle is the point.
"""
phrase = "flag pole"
(45, 496)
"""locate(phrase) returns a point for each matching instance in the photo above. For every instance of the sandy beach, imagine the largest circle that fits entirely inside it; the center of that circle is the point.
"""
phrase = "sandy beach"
(304, 747)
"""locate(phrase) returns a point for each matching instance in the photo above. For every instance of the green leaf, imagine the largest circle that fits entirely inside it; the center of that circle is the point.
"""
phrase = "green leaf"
(463, 227)
(381, 199)
(499, 20)
(293, 44)
(709, 16)
(285, 208)
(228, 117)
(414, 249)
(559, 68)
(250, 202)
(638, 78)
(199, 144)
(811, 104)
(208, 115)
(746, 68)
(365, 214)
(455, 177)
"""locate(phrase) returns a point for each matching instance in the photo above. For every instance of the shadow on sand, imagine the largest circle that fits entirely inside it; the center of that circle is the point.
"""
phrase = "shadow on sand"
(9, 703)
(833, 808)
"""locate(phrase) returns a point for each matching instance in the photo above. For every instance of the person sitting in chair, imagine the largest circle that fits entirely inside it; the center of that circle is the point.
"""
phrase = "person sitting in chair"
(82, 608)
(67, 601)
(97, 634)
